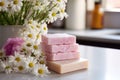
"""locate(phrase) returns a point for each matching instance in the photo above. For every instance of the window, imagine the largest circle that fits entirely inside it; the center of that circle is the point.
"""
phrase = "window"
(110, 4)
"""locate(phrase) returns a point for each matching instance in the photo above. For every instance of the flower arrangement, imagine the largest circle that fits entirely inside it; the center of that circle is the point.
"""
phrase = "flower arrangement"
(23, 53)
(15, 12)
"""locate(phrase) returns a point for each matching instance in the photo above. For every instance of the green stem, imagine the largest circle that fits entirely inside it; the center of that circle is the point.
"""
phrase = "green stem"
(5, 18)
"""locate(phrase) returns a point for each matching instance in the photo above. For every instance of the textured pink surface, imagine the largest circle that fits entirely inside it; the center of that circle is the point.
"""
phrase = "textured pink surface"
(59, 48)
(63, 56)
(52, 39)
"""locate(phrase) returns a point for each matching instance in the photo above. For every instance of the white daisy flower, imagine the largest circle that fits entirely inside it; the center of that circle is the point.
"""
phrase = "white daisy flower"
(29, 36)
(31, 61)
(21, 67)
(31, 49)
(3, 5)
(30, 22)
(36, 50)
(52, 16)
(38, 37)
(34, 28)
(27, 48)
(16, 5)
(9, 9)
(38, 27)
(42, 56)
(23, 51)
(36, 47)
(40, 70)
(60, 4)
(37, 54)
(28, 45)
(62, 14)
(17, 58)
(37, 5)
(6, 66)
(42, 61)
(44, 29)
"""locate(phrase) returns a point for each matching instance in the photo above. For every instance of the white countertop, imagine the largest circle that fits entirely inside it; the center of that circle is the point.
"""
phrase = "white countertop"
(104, 64)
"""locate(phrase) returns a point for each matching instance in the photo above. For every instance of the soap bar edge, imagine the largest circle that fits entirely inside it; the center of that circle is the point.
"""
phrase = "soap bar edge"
(59, 68)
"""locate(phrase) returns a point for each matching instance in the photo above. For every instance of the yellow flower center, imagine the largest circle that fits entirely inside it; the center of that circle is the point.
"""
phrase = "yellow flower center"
(23, 49)
(42, 62)
(7, 67)
(30, 22)
(28, 45)
(53, 14)
(21, 68)
(62, 10)
(1, 54)
(31, 65)
(37, 3)
(9, 6)
(59, 0)
(38, 26)
(18, 59)
(35, 47)
(37, 36)
(2, 3)
(32, 27)
(15, 2)
(45, 28)
(30, 35)
(40, 71)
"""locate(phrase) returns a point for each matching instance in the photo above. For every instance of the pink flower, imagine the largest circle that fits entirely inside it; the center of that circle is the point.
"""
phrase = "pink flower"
(13, 45)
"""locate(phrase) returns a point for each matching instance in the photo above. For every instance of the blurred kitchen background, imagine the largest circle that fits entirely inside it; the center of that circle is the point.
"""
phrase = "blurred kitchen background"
(94, 22)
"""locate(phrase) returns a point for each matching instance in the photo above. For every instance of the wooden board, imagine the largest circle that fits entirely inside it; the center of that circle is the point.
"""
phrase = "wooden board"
(67, 65)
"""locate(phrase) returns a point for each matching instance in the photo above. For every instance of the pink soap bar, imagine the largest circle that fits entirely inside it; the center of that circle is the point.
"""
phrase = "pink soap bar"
(52, 39)
(60, 48)
(63, 56)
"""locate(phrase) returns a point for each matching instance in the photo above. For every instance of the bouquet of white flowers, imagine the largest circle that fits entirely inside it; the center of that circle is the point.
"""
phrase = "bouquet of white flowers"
(23, 53)
(15, 12)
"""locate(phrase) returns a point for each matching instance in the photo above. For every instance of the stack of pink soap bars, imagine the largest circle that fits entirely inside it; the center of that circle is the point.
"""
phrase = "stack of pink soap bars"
(60, 46)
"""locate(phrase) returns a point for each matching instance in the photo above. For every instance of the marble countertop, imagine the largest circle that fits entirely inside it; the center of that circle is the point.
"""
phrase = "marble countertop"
(103, 65)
